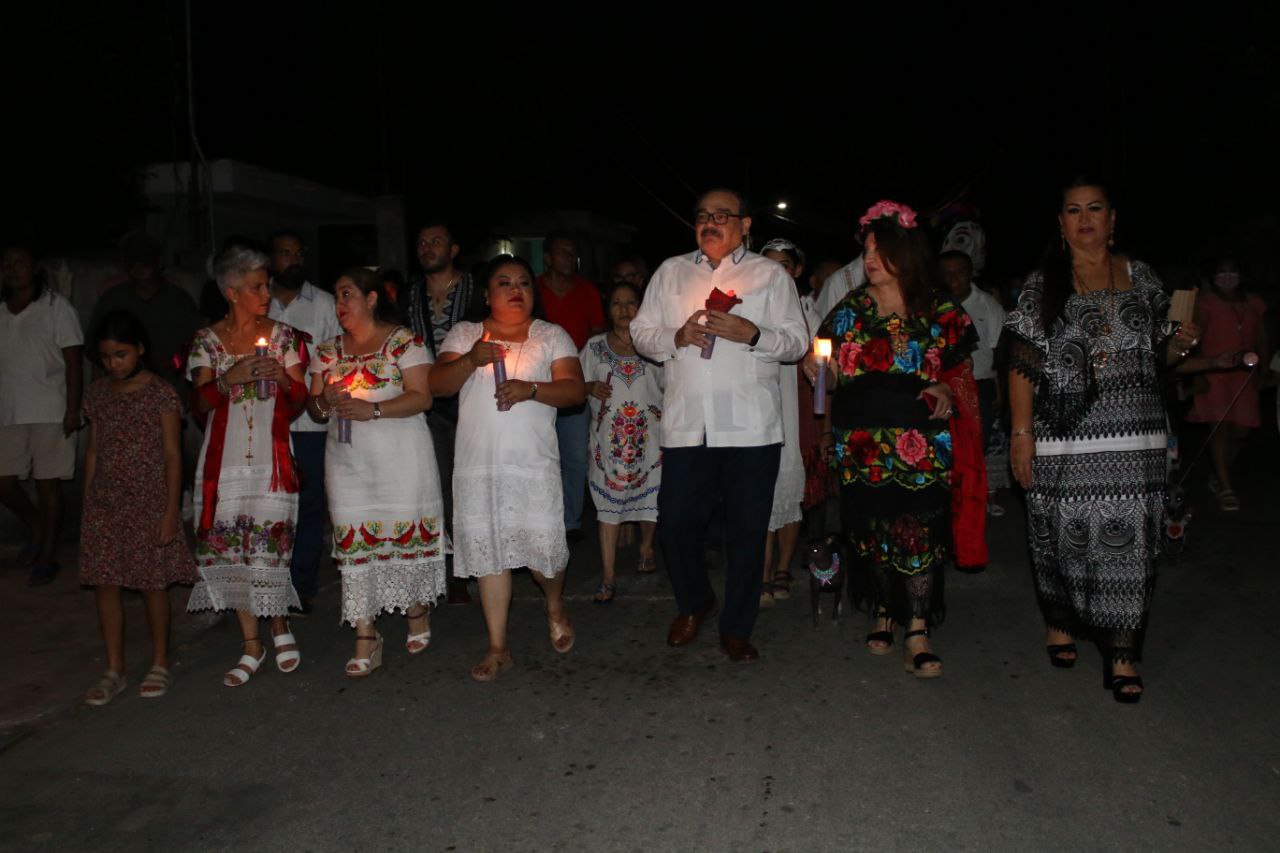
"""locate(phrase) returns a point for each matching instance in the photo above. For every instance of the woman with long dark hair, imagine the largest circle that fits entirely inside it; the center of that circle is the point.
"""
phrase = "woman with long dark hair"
(380, 472)
(895, 340)
(1089, 337)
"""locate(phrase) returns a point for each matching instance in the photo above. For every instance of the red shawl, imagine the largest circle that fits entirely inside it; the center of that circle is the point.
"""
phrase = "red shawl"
(968, 471)
(284, 476)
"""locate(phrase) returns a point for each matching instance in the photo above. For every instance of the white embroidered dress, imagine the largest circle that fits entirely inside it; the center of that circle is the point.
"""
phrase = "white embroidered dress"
(383, 487)
(625, 448)
(508, 506)
(244, 556)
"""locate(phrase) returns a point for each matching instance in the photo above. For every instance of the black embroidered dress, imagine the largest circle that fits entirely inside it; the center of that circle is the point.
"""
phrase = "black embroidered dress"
(1095, 508)
(892, 460)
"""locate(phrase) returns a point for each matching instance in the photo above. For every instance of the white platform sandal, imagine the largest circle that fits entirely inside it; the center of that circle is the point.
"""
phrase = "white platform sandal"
(416, 644)
(289, 659)
(244, 668)
(108, 687)
(364, 667)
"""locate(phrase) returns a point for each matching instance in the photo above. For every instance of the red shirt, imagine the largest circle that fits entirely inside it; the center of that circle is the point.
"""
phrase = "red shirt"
(577, 312)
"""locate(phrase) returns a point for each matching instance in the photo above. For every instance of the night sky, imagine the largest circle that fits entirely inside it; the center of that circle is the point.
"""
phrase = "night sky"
(483, 117)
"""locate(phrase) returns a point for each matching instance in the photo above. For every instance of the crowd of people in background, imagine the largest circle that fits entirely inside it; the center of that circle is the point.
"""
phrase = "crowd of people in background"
(449, 426)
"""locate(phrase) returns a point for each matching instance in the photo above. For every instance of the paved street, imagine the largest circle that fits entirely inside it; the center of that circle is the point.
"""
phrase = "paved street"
(626, 744)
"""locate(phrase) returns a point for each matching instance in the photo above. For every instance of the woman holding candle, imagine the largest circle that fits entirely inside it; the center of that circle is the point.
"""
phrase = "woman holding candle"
(624, 453)
(508, 507)
(246, 489)
(894, 340)
(372, 383)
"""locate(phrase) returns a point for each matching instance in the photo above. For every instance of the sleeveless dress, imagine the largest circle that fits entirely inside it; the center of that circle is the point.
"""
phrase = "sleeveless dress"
(507, 498)
(1095, 509)
(128, 496)
(383, 487)
(625, 442)
(244, 555)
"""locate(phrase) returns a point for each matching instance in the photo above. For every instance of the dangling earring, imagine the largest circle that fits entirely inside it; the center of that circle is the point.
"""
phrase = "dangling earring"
(1111, 238)
(1062, 237)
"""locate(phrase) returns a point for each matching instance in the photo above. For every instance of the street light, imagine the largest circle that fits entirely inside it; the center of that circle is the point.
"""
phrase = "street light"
(782, 205)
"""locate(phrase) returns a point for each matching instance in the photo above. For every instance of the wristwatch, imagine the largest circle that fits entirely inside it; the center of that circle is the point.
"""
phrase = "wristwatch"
(533, 392)
(755, 339)
(377, 411)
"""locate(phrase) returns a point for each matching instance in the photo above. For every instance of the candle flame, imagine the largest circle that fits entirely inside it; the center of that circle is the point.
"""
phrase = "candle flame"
(262, 342)
(822, 347)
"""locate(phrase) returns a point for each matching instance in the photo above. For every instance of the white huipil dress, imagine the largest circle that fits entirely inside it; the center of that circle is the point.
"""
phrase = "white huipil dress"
(244, 554)
(383, 488)
(508, 504)
(624, 451)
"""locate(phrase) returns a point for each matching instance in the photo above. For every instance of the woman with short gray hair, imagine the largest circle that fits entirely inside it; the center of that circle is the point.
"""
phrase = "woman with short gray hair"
(248, 376)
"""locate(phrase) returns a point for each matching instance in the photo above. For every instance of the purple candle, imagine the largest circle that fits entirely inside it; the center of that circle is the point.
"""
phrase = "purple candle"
(821, 349)
(264, 389)
(711, 345)
(344, 430)
(500, 376)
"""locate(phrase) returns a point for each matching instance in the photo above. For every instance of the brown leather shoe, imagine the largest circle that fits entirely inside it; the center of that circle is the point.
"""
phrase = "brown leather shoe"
(739, 649)
(685, 627)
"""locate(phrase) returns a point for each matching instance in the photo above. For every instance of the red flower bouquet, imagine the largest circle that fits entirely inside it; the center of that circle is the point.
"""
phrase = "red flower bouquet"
(719, 301)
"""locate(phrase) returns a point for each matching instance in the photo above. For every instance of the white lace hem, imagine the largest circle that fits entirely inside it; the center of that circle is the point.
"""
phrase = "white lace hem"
(259, 591)
(372, 588)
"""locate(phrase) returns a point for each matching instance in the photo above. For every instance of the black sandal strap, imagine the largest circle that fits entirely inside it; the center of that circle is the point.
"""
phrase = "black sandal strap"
(1060, 648)
(885, 637)
(923, 658)
(919, 632)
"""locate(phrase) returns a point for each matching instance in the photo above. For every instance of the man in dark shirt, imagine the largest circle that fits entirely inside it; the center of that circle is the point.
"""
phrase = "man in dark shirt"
(573, 303)
(433, 303)
(167, 312)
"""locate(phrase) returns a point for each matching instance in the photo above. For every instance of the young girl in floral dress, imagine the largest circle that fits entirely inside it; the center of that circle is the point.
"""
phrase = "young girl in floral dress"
(131, 533)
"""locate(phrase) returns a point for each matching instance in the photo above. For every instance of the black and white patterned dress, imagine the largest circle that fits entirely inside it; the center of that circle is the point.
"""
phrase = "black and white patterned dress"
(1096, 502)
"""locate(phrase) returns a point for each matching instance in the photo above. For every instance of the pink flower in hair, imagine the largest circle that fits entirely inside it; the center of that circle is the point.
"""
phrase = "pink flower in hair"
(903, 215)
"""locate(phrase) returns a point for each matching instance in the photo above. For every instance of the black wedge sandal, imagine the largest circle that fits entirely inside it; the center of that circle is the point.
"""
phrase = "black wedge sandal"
(1117, 684)
(1056, 652)
(916, 664)
(885, 636)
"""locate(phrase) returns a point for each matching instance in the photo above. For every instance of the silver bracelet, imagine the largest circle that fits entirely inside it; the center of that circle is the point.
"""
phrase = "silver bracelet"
(1022, 431)
(321, 409)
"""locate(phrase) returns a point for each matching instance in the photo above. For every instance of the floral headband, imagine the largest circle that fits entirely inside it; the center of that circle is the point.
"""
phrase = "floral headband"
(902, 216)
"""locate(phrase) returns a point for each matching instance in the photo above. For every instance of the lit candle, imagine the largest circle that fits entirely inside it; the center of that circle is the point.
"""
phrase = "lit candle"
(344, 424)
(822, 350)
(499, 375)
(264, 389)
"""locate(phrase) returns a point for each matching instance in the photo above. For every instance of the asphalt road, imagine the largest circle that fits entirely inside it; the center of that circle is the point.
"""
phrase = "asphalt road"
(626, 744)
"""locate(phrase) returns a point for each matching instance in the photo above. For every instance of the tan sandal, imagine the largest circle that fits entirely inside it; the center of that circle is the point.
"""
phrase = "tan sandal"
(562, 634)
(155, 684)
(108, 687)
(493, 663)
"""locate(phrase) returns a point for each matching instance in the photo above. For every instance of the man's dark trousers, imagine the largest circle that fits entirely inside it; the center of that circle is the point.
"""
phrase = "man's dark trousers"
(693, 480)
